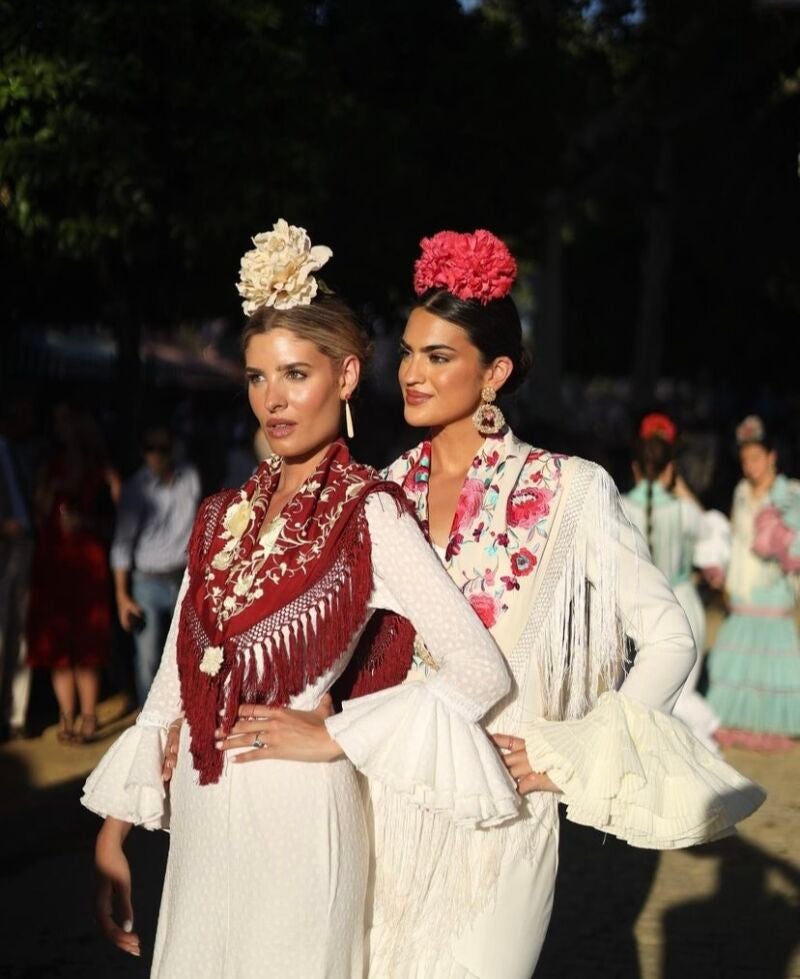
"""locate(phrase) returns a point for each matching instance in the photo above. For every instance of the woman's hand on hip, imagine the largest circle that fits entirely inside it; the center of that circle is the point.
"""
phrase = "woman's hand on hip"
(113, 887)
(171, 749)
(281, 733)
(515, 758)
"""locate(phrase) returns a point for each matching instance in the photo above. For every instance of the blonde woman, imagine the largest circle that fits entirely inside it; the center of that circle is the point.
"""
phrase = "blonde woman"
(268, 861)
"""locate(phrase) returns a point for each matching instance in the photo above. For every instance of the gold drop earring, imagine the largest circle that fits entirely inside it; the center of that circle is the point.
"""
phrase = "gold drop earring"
(488, 418)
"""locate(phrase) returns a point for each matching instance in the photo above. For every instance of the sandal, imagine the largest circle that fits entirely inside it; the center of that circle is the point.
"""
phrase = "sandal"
(87, 729)
(66, 723)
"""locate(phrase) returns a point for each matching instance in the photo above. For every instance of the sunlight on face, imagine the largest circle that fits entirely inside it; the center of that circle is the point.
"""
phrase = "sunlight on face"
(295, 392)
(441, 371)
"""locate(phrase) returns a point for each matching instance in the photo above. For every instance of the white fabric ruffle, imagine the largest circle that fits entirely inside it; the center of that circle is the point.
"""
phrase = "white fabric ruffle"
(713, 545)
(127, 782)
(640, 775)
(411, 742)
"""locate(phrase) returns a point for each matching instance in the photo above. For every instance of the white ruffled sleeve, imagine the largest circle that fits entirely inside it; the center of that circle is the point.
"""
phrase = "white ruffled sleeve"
(421, 740)
(628, 767)
(127, 782)
(639, 774)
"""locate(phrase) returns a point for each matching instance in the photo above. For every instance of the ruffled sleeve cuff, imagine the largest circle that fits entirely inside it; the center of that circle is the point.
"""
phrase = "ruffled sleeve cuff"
(640, 775)
(413, 743)
(127, 782)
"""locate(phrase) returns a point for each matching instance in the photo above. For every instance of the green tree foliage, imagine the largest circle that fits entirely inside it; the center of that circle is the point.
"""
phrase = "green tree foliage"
(642, 155)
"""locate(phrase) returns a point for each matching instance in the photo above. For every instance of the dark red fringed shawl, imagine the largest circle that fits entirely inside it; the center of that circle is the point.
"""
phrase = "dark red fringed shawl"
(259, 625)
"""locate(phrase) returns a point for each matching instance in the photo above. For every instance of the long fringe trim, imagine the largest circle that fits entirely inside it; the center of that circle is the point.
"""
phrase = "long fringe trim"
(580, 643)
(432, 877)
(272, 669)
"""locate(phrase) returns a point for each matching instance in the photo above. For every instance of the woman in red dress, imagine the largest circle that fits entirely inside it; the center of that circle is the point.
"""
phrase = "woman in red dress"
(69, 619)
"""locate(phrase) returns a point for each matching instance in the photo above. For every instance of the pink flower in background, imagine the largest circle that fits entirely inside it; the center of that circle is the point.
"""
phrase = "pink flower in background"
(475, 266)
(527, 506)
(469, 504)
(485, 607)
(773, 538)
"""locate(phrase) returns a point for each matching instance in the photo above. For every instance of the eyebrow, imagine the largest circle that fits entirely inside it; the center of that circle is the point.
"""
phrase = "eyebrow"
(281, 367)
(431, 347)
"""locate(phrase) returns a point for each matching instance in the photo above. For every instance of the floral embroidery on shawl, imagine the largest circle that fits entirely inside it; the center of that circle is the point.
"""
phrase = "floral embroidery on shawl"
(501, 522)
(269, 610)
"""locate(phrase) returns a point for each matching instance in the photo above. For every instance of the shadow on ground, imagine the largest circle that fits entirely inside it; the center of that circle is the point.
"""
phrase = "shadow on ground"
(47, 930)
(601, 889)
(750, 925)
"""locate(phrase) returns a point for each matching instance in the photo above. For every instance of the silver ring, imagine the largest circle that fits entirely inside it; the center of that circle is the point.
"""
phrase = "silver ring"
(258, 743)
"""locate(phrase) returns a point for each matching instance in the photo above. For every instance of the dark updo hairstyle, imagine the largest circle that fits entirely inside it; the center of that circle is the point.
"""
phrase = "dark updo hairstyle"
(495, 329)
(327, 321)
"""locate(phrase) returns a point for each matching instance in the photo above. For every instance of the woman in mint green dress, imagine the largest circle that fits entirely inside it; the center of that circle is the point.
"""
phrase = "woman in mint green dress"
(674, 525)
(754, 667)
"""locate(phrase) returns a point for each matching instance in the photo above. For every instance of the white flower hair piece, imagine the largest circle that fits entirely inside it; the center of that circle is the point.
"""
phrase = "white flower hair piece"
(750, 429)
(277, 272)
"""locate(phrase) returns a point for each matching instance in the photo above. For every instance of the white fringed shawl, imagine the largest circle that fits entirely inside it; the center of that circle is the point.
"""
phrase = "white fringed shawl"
(432, 877)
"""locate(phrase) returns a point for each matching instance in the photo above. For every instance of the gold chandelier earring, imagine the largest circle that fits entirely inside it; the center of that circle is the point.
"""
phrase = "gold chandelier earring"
(348, 419)
(488, 418)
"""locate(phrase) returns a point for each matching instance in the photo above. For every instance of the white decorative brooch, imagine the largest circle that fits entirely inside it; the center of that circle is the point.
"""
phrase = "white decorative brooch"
(212, 660)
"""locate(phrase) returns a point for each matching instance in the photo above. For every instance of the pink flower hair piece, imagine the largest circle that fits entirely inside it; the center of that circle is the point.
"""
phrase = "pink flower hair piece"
(475, 266)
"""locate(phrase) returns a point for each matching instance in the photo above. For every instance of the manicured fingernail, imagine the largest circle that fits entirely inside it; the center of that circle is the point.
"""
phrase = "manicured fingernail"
(217, 744)
(127, 925)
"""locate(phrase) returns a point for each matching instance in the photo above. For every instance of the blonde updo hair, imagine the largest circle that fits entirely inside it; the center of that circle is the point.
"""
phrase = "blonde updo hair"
(327, 321)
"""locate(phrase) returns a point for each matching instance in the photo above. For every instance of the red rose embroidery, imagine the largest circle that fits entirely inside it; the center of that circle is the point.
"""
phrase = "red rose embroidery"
(485, 607)
(527, 506)
(469, 504)
(523, 562)
(415, 477)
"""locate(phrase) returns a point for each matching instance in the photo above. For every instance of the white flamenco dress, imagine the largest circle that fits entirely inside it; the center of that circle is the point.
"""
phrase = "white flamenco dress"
(267, 870)
(596, 722)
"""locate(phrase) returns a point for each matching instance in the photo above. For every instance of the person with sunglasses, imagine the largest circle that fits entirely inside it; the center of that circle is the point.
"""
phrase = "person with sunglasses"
(148, 555)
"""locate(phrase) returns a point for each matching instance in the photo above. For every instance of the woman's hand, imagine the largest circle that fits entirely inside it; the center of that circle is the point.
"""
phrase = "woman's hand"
(113, 888)
(281, 733)
(516, 761)
(171, 749)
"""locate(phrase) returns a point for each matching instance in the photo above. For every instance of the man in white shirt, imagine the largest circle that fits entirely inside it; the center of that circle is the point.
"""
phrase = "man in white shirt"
(148, 555)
